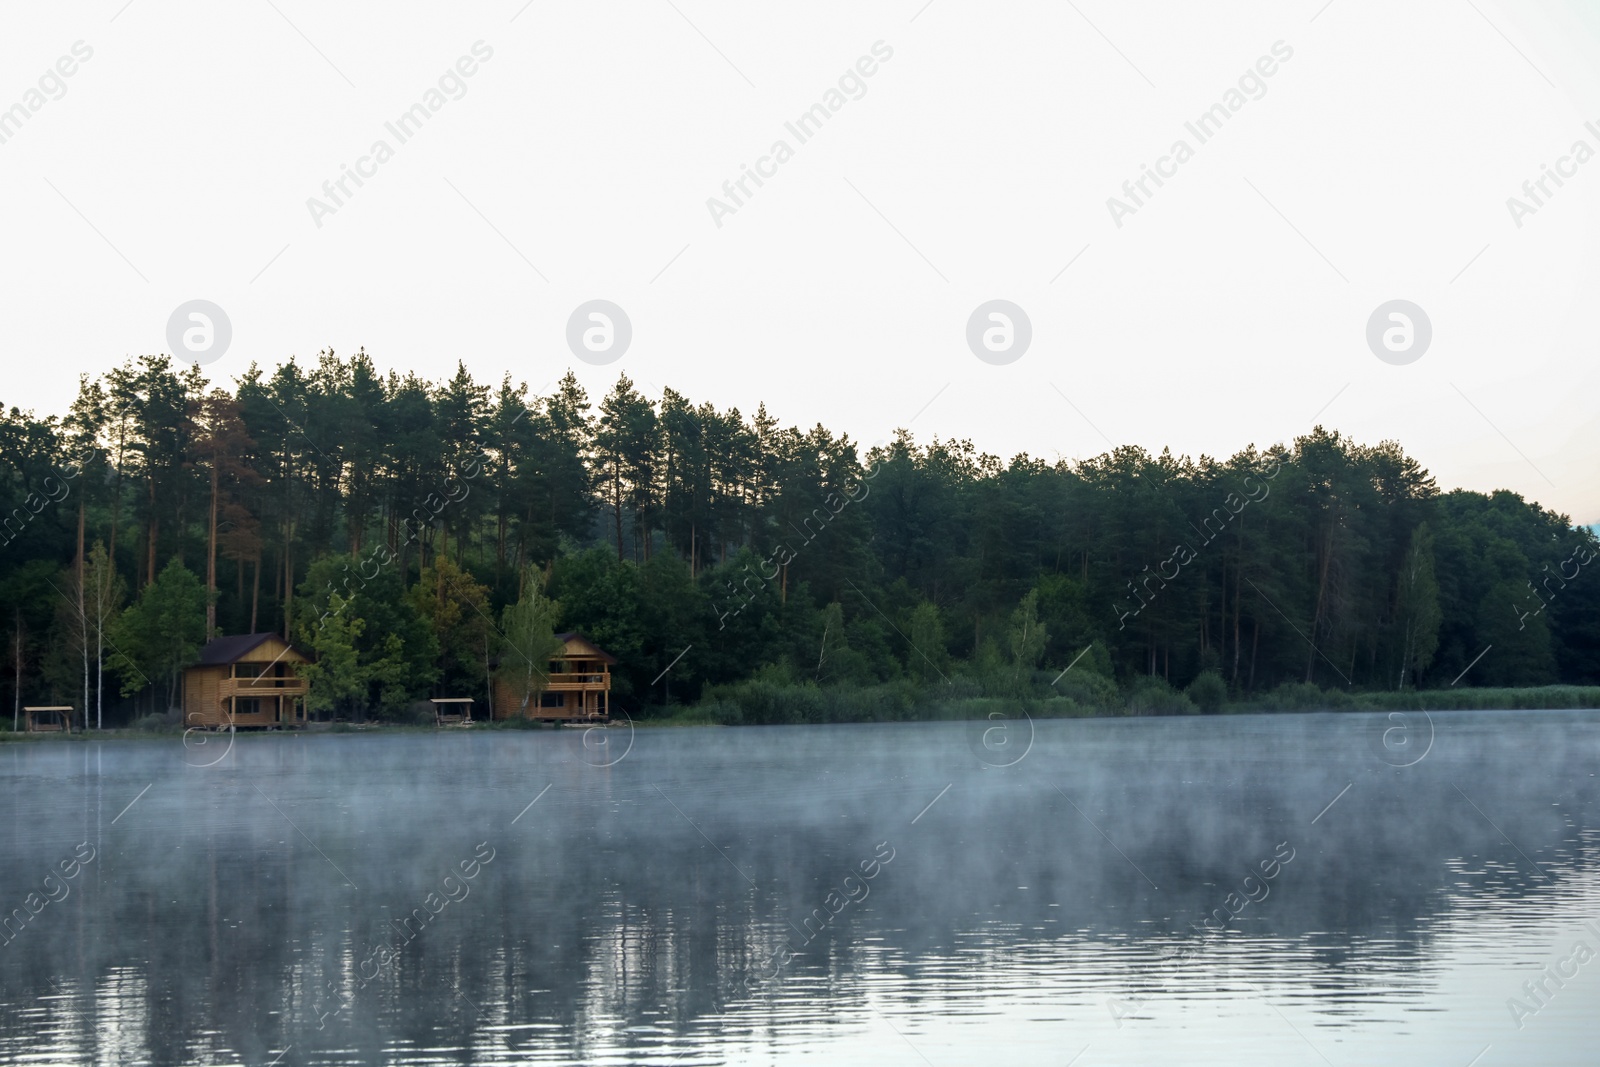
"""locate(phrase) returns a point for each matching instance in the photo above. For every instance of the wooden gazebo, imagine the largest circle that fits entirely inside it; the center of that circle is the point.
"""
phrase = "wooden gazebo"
(452, 711)
(48, 719)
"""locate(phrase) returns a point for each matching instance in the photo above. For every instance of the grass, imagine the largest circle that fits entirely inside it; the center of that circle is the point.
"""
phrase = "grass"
(762, 702)
(1548, 697)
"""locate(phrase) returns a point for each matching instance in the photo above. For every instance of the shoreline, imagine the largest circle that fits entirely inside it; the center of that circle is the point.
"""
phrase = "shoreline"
(972, 709)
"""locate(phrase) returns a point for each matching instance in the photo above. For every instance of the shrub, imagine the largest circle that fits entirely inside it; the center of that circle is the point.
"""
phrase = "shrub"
(416, 713)
(512, 722)
(1088, 688)
(158, 722)
(1208, 691)
(1497, 699)
(725, 712)
(1306, 696)
(959, 687)
(1151, 695)
(758, 701)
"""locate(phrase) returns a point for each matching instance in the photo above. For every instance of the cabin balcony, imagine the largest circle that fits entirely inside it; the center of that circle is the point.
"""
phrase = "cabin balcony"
(264, 686)
(569, 681)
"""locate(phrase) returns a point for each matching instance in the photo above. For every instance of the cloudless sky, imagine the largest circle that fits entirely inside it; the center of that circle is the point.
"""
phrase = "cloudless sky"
(975, 163)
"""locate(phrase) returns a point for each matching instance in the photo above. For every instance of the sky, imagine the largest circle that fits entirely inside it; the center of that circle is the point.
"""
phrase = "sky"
(968, 153)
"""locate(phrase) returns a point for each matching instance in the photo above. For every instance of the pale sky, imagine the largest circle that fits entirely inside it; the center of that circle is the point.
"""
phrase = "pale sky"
(973, 164)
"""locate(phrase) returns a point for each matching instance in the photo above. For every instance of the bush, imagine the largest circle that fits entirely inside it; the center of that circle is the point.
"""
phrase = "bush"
(700, 715)
(158, 722)
(959, 687)
(1306, 696)
(1208, 691)
(1151, 695)
(968, 708)
(763, 702)
(724, 712)
(416, 713)
(1469, 699)
(1088, 688)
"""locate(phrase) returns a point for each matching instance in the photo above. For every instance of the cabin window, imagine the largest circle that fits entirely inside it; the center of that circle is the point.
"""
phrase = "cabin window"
(551, 700)
(247, 706)
(247, 670)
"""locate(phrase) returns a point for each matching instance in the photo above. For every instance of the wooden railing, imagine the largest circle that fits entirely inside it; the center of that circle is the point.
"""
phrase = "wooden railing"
(262, 687)
(579, 680)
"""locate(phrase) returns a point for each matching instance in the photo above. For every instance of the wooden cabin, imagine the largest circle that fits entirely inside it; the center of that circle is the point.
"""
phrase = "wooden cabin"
(578, 688)
(245, 680)
(40, 719)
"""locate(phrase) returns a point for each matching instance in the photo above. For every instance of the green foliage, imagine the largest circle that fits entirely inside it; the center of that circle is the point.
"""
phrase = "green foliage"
(837, 660)
(1027, 635)
(1152, 695)
(675, 615)
(414, 713)
(1481, 699)
(373, 650)
(528, 630)
(1305, 696)
(1063, 606)
(103, 597)
(456, 608)
(158, 723)
(1208, 691)
(990, 667)
(1418, 608)
(336, 676)
(927, 657)
(767, 703)
(600, 597)
(700, 546)
(161, 632)
(1511, 617)
(1087, 687)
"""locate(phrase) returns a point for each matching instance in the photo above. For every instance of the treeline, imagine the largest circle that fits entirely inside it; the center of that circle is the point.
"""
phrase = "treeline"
(387, 522)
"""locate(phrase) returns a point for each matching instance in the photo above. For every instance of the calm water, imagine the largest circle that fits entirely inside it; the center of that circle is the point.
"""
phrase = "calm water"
(849, 894)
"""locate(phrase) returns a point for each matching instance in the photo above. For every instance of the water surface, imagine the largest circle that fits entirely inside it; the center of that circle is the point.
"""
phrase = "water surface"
(1355, 889)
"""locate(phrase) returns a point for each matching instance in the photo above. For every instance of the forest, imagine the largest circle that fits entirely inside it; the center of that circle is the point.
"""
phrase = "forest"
(404, 532)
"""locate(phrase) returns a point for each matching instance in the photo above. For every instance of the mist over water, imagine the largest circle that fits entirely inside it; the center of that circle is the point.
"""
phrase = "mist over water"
(1360, 888)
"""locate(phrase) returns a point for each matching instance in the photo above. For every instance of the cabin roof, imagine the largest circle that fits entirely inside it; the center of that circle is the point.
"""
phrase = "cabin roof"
(223, 650)
(599, 653)
(593, 651)
(49, 707)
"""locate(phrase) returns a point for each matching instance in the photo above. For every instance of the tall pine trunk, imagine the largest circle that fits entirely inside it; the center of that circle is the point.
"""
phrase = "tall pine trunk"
(16, 708)
(150, 549)
(616, 508)
(1316, 615)
(83, 615)
(288, 579)
(99, 655)
(211, 553)
(116, 497)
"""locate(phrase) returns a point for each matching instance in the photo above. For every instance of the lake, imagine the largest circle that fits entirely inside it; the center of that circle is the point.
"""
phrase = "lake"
(1348, 889)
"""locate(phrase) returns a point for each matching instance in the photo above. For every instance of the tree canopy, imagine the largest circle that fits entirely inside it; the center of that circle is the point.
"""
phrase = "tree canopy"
(388, 524)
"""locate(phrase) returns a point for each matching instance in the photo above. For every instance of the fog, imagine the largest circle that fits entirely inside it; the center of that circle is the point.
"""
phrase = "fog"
(733, 894)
